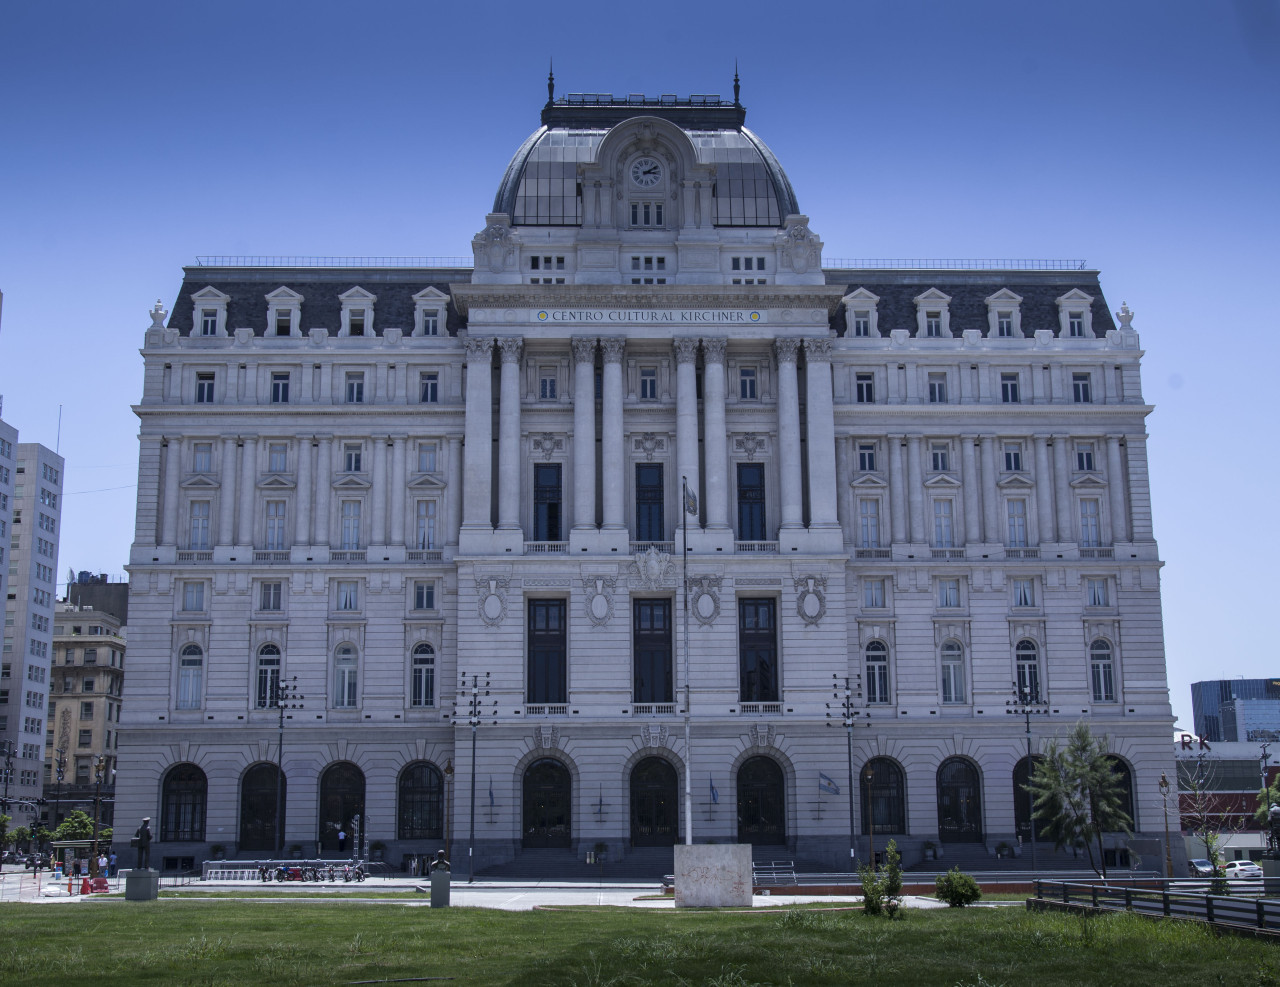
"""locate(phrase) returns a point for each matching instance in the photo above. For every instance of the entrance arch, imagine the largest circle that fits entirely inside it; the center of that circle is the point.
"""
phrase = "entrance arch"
(959, 802)
(762, 802)
(341, 800)
(548, 805)
(1022, 772)
(655, 805)
(884, 798)
(258, 807)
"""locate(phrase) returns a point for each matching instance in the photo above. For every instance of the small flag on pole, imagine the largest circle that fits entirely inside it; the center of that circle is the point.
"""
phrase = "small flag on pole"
(715, 796)
(491, 791)
(827, 785)
(690, 500)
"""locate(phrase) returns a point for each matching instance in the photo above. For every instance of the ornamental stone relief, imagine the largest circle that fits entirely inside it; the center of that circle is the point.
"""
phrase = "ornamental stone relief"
(761, 734)
(801, 248)
(545, 737)
(648, 444)
(496, 245)
(811, 598)
(492, 608)
(704, 598)
(653, 735)
(652, 568)
(548, 443)
(599, 598)
(749, 444)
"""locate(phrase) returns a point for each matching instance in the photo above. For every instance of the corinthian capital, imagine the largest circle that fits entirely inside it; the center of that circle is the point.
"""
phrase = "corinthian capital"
(713, 349)
(787, 349)
(818, 348)
(584, 349)
(686, 350)
(479, 348)
(612, 346)
(510, 347)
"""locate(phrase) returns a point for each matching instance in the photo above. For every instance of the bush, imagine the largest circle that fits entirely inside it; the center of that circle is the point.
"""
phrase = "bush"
(957, 889)
(882, 894)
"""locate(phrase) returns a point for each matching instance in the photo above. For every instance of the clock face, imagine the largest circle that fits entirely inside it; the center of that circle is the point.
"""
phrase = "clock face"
(646, 172)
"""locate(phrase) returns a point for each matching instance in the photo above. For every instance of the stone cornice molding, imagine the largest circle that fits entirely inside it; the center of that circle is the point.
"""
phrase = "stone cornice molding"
(468, 296)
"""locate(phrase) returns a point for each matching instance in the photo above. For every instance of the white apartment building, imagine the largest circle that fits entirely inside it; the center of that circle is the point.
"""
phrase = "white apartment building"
(438, 496)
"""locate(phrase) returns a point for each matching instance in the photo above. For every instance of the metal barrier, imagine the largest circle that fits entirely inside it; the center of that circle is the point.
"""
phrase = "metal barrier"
(1246, 905)
(775, 873)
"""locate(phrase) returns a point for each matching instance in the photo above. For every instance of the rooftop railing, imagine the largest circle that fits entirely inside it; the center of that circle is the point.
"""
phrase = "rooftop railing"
(828, 263)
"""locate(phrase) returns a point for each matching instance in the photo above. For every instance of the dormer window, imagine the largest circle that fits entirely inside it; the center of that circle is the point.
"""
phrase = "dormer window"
(933, 324)
(1075, 315)
(860, 313)
(208, 322)
(355, 322)
(284, 312)
(209, 318)
(933, 314)
(862, 323)
(1004, 323)
(357, 312)
(1075, 323)
(1004, 314)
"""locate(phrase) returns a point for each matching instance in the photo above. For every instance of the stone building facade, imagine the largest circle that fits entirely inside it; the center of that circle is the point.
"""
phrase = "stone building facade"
(448, 504)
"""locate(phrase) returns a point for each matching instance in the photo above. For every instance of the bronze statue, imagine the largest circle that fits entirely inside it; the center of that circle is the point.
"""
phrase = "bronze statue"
(142, 840)
(439, 863)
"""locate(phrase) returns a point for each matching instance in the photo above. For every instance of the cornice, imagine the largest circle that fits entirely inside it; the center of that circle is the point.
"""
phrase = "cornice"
(469, 296)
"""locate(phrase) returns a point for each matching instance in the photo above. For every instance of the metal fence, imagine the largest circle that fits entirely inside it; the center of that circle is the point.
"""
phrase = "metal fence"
(1246, 903)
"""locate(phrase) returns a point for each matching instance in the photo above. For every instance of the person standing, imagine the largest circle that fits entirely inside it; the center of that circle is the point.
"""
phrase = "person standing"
(112, 864)
(342, 840)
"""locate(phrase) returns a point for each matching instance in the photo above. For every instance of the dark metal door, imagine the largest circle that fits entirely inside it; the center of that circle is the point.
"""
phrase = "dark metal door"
(959, 802)
(762, 803)
(547, 805)
(655, 804)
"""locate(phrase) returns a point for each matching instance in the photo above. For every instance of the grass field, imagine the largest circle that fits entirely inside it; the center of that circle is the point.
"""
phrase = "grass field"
(271, 942)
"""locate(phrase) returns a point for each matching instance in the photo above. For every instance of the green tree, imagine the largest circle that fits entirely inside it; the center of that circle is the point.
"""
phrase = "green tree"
(77, 826)
(21, 837)
(1078, 794)
(5, 836)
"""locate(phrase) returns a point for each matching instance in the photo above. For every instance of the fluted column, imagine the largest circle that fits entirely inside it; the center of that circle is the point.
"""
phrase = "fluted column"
(792, 494)
(821, 433)
(227, 494)
(611, 455)
(324, 487)
(509, 471)
(897, 489)
(477, 491)
(971, 491)
(169, 517)
(1044, 492)
(687, 414)
(584, 432)
(302, 510)
(842, 488)
(248, 490)
(990, 492)
(1062, 489)
(715, 438)
(915, 491)
(398, 472)
(455, 491)
(378, 493)
(1115, 491)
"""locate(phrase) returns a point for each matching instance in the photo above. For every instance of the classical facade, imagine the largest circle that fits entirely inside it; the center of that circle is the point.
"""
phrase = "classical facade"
(448, 505)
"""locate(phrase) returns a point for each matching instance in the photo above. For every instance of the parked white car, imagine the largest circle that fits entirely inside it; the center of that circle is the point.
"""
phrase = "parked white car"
(1242, 868)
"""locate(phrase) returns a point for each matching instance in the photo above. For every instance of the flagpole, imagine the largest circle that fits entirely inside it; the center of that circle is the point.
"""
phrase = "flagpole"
(688, 752)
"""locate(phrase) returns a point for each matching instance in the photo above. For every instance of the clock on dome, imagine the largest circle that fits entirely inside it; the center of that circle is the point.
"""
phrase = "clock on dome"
(646, 172)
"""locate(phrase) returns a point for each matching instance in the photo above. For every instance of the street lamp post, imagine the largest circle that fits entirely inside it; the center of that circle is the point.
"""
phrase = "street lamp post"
(688, 505)
(848, 713)
(868, 774)
(99, 763)
(60, 772)
(1027, 702)
(448, 808)
(475, 709)
(1168, 854)
(282, 695)
(7, 749)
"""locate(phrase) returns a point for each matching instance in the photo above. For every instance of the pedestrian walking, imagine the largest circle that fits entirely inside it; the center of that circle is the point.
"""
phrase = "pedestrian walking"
(111, 864)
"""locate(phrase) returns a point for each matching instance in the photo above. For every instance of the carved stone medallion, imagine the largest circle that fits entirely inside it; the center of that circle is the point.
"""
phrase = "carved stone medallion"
(652, 567)
(811, 598)
(599, 598)
(704, 598)
(492, 608)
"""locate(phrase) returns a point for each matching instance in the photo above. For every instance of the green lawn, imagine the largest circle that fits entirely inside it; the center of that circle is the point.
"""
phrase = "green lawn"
(251, 942)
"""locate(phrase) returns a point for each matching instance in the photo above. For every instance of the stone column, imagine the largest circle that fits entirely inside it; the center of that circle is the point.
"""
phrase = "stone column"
(821, 431)
(1139, 493)
(1115, 491)
(1044, 492)
(897, 489)
(248, 490)
(227, 494)
(1062, 489)
(715, 437)
(687, 415)
(612, 453)
(584, 432)
(378, 493)
(324, 487)
(789, 433)
(915, 491)
(172, 466)
(971, 491)
(509, 471)
(479, 430)
(302, 505)
(398, 471)
(455, 491)
(842, 488)
(990, 492)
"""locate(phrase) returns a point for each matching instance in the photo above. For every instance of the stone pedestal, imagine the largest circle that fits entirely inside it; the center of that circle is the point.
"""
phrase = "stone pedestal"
(141, 885)
(440, 888)
(713, 875)
(1270, 867)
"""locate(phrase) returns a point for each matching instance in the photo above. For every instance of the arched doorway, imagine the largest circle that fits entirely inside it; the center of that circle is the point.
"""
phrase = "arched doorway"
(887, 800)
(421, 802)
(182, 806)
(762, 802)
(548, 791)
(341, 801)
(258, 807)
(1125, 778)
(1021, 799)
(959, 802)
(655, 805)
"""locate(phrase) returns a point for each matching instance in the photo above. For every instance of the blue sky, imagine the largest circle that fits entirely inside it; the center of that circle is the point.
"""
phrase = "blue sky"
(1140, 136)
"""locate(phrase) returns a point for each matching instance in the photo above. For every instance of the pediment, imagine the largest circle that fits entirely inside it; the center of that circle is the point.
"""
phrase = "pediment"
(357, 294)
(351, 481)
(942, 480)
(868, 480)
(1088, 480)
(932, 295)
(209, 294)
(200, 481)
(430, 294)
(427, 481)
(1004, 297)
(283, 296)
(860, 295)
(276, 481)
(1015, 481)
(1075, 297)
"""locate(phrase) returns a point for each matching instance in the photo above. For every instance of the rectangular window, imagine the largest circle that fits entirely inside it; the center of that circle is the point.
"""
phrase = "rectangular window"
(204, 388)
(747, 383)
(1090, 530)
(751, 519)
(348, 595)
(940, 457)
(862, 323)
(952, 673)
(277, 457)
(867, 457)
(1017, 509)
(873, 596)
(757, 651)
(268, 683)
(646, 214)
(1099, 593)
(548, 679)
(1009, 393)
(937, 388)
(431, 322)
(199, 531)
(943, 535)
(1082, 388)
(648, 383)
(284, 321)
(346, 692)
(933, 324)
(650, 522)
(424, 595)
(429, 387)
(355, 322)
(193, 596)
(651, 651)
(546, 384)
(1013, 457)
(424, 535)
(948, 593)
(355, 387)
(85, 739)
(208, 322)
(271, 596)
(427, 462)
(1024, 592)
(865, 388)
(351, 457)
(546, 502)
(350, 525)
(1075, 323)
(202, 457)
(275, 525)
(1028, 678)
(91, 656)
(868, 523)
(279, 388)
(1084, 457)
(422, 690)
(1004, 323)
(1102, 673)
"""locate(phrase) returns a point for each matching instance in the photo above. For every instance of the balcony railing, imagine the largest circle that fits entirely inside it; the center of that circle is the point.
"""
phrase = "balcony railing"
(751, 708)
(271, 556)
(873, 553)
(195, 556)
(541, 709)
(756, 547)
(654, 709)
(1097, 553)
(946, 553)
(425, 555)
(1022, 553)
(659, 546)
(347, 555)
(546, 547)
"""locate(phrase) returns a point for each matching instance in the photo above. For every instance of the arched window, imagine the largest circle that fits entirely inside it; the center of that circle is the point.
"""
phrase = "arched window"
(655, 803)
(547, 809)
(341, 800)
(877, 655)
(884, 799)
(190, 676)
(268, 680)
(1102, 673)
(421, 805)
(959, 801)
(183, 799)
(1027, 657)
(952, 672)
(1022, 800)
(422, 688)
(259, 796)
(345, 678)
(762, 802)
(1125, 778)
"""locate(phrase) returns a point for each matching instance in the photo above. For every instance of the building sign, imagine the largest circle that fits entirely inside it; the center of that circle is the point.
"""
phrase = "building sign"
(660, 316)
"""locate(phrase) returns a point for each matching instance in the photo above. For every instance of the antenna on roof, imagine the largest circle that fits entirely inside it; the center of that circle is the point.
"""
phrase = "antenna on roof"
(736, 87)
(551, 81)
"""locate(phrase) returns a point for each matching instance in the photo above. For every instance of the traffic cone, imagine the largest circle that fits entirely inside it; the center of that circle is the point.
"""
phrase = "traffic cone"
(84, 886)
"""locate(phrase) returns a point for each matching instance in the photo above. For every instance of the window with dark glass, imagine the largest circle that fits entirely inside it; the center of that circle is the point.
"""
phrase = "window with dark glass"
(546, 502)
(548, 680)
(757, 651)
(649, 520)
(182, 809)
(651, 639)
(421, 808)
(751, 502)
